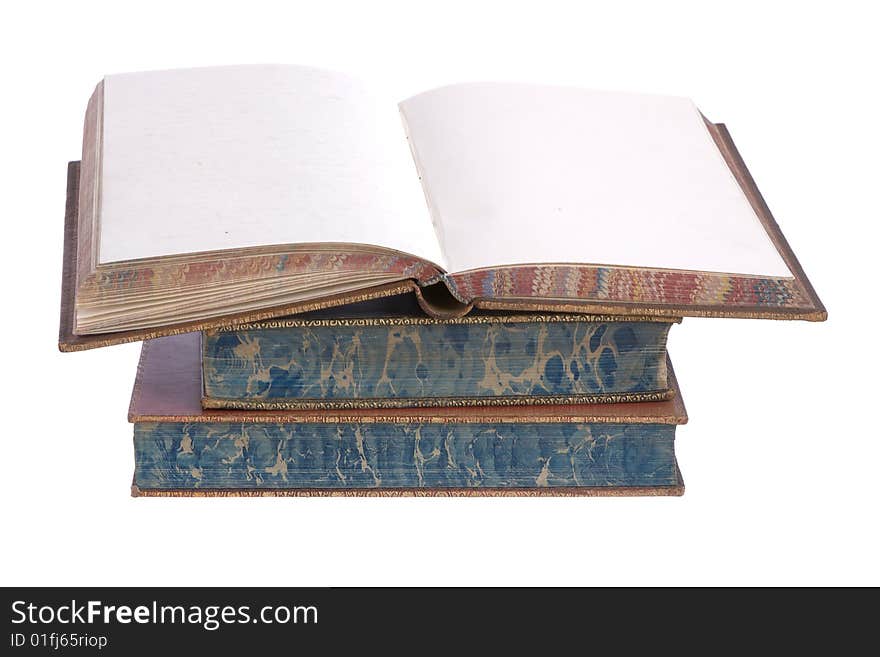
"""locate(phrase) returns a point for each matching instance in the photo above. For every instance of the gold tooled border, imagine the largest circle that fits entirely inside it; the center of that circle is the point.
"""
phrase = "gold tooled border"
(626, 309)
(357, 322)
(434, 402)
(321, 417)
(675, 490)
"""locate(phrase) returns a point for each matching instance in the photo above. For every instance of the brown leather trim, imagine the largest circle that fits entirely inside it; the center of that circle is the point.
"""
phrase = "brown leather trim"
(734, 160)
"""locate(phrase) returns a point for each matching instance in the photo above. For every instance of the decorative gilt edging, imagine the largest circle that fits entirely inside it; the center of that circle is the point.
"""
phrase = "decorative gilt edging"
(609, 491)
(434, 402)
(417, 416)
(285, 323)
(549, 491)
(651, 313)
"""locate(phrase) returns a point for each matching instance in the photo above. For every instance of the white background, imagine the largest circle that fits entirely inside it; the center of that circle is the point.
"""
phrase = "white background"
(781, 454)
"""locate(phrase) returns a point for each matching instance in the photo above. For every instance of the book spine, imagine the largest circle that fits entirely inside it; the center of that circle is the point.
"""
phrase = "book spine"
(222, 456)
(475, 361)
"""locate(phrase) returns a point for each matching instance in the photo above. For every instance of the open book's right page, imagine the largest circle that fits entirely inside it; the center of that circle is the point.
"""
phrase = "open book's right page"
(566, 193)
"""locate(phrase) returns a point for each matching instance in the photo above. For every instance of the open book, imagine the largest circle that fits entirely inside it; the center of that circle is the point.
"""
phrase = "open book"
(215, 195)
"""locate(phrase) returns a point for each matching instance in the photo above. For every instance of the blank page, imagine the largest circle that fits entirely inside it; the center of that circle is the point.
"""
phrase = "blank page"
(519, 173)
(219, 158)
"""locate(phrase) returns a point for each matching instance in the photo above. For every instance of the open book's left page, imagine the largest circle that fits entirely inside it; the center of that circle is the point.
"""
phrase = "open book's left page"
(225, 189)
(223, 158)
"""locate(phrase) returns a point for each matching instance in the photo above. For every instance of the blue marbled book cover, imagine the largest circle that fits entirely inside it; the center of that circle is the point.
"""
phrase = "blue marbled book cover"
(405, 361)
(379, 456)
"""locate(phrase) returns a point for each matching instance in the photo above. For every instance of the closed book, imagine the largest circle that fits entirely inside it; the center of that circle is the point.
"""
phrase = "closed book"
(573, 449)
(387, 353)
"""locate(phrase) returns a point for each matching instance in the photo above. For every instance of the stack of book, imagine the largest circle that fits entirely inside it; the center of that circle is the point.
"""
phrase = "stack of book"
(366, 400)
(293, 346)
